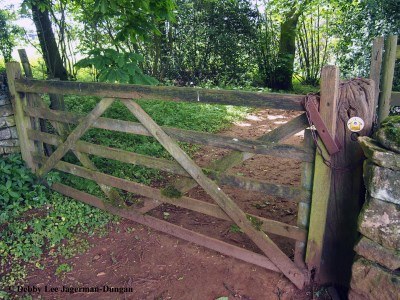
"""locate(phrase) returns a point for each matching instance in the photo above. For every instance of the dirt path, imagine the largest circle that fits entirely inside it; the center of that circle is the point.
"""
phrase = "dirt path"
(158, 266)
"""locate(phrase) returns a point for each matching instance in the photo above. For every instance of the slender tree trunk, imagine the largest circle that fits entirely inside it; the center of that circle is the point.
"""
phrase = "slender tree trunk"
(282, 79)
(51, 55)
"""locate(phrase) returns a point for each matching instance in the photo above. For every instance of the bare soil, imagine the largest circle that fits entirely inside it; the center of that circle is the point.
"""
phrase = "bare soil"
(158, 266)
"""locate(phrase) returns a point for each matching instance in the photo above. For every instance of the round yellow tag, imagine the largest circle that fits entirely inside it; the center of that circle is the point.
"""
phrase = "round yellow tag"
(355, 124)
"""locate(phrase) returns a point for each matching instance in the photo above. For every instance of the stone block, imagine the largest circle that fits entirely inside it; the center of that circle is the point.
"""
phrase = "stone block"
(382, 183)
(7, 121)
(374, 282)
(9, 143)
(378, 155)
(380, 222)
(373, 251)
(9, 150)
(6, 110)
(4, 100)
(5, 134)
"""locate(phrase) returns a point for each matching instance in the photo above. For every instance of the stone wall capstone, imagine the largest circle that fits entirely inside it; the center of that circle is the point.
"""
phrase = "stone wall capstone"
(9, 142)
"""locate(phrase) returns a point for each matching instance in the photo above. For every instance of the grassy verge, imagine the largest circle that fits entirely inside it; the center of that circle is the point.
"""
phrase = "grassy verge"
(36, 222)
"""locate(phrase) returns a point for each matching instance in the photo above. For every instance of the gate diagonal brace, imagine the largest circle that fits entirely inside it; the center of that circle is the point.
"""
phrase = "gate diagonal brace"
(75, 135)
(267, 246)
(311, 106)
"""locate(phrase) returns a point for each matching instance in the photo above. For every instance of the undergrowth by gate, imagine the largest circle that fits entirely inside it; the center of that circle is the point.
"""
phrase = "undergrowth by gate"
(30, 109)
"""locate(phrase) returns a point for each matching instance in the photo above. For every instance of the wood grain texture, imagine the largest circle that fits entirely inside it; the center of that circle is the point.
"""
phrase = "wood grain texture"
(389, 61)
(356, 98)
(303, 212)
(178, 94)
(376, 66)
(235, 157)
(284, 191)
(322, 173)
(269, 248)
(23, 123)
(189, 136)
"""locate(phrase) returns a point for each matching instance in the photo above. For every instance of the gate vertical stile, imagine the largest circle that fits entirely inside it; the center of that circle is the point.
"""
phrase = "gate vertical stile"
(23, 122)
(37, 124)
(303, 214)
(322, 172)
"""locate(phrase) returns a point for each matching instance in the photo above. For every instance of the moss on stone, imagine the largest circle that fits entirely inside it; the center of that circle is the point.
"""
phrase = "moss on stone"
(391, 126)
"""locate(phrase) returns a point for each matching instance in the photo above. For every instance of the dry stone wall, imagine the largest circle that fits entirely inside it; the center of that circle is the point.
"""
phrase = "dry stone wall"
(8, 132)
(376, 270)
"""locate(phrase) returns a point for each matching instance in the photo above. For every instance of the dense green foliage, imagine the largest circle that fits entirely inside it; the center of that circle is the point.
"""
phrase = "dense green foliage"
(224, 43)
(357, 23)
(35, 221)
(9, 33)
(18, 189)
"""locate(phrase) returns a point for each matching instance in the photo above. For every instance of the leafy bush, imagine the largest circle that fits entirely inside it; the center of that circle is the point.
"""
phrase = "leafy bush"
(19, 190)
(114, 66)
(34, 219)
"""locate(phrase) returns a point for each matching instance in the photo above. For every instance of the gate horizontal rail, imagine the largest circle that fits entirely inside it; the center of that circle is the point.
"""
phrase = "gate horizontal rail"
(189, 136)
(177, 94)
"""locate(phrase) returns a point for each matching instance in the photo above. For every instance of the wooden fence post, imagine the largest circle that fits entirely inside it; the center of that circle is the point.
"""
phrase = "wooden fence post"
(376, 66)
(23, 123)
(356, 98)
(322, 173)
(389, 60)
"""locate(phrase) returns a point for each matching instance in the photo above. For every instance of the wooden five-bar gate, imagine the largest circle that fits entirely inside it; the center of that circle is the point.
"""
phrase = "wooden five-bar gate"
(314, 189)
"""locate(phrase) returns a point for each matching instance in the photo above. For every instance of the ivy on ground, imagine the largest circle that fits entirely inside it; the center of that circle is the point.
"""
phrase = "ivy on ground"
(35, 220)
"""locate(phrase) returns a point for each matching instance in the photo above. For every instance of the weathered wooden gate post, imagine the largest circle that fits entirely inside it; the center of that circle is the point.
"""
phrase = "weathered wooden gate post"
(322, 173)
(389, 61)
(338, 189)
(23, 122)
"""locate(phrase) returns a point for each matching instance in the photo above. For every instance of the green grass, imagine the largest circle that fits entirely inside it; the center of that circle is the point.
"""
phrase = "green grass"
(303, 89)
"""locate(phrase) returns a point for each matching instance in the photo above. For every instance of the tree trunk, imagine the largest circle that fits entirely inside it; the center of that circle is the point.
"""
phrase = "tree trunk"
(48, 45)
(282, 79)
